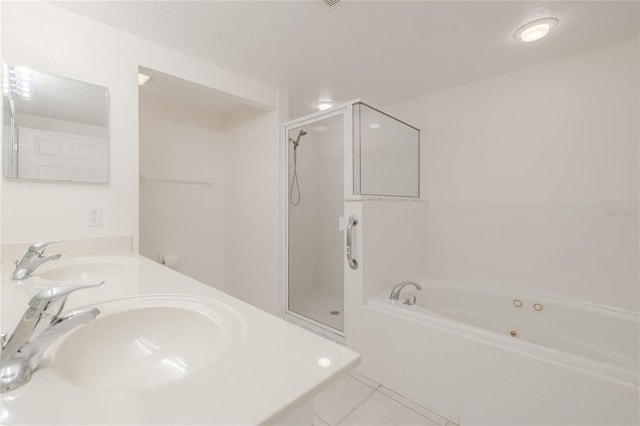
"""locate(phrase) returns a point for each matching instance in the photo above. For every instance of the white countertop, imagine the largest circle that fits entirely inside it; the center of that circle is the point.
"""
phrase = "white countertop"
(273, 372)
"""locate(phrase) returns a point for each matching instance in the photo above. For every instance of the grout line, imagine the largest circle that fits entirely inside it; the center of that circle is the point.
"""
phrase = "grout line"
(377, 389)
(355, 408)
(318, 416)
(406, 406)
(449, 422)
(365, 383)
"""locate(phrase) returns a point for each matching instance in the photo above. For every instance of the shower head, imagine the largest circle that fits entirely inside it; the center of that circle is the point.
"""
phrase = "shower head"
(297, 140)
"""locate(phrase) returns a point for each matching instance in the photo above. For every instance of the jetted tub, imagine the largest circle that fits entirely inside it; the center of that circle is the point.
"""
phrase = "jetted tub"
(585, 334)
(486, 355)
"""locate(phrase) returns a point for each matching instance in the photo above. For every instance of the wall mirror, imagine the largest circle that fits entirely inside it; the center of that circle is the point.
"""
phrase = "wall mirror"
(54, 128)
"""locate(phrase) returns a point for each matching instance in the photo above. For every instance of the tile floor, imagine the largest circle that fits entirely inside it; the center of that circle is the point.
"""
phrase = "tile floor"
(358, 400)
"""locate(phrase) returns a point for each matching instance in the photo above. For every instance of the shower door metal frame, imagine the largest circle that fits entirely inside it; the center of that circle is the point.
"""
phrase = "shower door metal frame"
(346, 111)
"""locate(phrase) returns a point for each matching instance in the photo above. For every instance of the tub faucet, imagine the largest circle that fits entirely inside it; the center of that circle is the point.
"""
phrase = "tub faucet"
(395, 293)
(32, 259)
(41, 324)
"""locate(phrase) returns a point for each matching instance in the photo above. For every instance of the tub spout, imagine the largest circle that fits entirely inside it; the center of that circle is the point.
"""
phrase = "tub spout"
(395, 293)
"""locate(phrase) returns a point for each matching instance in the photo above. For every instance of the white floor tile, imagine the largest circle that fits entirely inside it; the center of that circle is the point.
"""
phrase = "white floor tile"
(336, 402)
(436, 418)
(317, 421)
(381, 410)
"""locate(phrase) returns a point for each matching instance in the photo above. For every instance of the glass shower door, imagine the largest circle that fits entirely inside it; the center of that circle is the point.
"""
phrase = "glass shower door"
(315, 193)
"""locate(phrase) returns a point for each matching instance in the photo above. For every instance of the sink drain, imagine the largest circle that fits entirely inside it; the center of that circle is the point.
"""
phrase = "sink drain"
(335, 312)
(513, 333)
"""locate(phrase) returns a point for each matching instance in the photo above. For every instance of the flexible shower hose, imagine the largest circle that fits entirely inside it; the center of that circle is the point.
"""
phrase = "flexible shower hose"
(294, 180)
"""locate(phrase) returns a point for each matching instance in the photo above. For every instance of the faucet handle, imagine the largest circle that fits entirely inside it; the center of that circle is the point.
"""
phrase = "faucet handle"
(39, 246)
(42, 299)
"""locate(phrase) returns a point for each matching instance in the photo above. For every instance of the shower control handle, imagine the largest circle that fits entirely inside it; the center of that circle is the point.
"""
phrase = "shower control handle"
(353, 264)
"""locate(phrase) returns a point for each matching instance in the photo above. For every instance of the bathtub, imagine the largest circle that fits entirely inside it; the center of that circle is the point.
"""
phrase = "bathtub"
(480, 355)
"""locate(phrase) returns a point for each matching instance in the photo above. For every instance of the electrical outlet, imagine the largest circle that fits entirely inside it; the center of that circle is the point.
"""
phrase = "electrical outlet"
(94, 216)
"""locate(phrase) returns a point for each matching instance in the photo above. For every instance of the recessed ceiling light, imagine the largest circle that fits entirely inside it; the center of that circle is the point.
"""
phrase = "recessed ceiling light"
(535, 30)
(143, 79)
(324, 105)
(374, 126)
(319, 128)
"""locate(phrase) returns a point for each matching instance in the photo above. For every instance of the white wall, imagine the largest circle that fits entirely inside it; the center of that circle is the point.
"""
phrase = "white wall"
(532, 176)
(186, 220)
(49, 39)
(2, 138)
(393, 243)
(253, 207)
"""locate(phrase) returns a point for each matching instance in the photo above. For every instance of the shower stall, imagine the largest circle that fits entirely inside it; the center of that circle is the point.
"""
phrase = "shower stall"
(349, 153)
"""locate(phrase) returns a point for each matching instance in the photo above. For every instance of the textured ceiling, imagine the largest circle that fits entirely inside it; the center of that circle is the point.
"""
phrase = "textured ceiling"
(383, 51)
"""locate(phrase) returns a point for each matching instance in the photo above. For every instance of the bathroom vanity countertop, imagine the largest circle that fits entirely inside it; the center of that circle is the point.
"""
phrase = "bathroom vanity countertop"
(275, 370)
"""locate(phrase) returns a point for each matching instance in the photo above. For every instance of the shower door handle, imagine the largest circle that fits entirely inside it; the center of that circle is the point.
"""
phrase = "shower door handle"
(353, 221)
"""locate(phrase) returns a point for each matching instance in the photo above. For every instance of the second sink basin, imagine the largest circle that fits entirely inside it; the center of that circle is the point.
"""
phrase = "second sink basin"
(86, 269)
(147, 342)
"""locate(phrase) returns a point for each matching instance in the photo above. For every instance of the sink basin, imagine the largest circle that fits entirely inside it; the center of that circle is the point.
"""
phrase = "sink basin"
(86, 269)
(147, 342)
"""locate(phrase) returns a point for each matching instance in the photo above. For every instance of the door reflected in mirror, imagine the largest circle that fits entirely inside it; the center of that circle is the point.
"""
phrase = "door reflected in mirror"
(54, 128)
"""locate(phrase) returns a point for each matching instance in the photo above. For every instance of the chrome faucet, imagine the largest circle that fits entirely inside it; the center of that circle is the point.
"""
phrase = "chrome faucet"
(41, 324)
(395, 293)
(32, 259)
